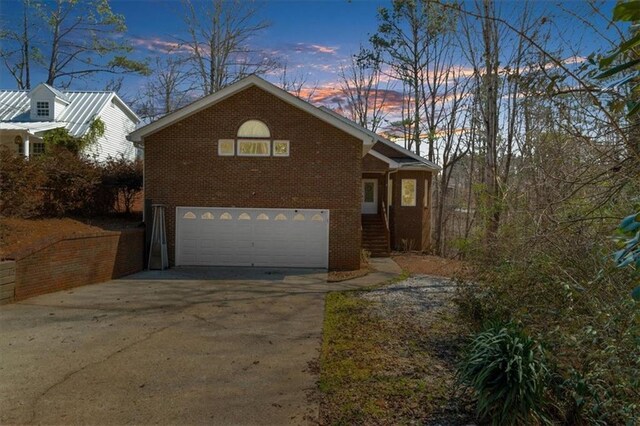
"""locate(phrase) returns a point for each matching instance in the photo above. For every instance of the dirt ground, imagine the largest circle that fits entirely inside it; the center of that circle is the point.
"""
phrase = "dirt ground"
(18, 234)
(419, 264)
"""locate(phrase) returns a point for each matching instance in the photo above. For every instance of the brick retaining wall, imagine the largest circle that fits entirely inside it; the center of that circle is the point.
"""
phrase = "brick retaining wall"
(7, 281)
(78, 260)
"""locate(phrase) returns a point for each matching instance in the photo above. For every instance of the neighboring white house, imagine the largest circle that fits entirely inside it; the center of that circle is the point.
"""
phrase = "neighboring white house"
(26, 115)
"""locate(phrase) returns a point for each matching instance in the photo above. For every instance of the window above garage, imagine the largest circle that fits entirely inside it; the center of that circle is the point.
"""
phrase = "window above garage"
(254, 129)
(253, 140)
(254, 147)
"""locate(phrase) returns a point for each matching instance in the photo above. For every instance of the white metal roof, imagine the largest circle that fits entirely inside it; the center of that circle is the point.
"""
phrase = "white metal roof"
(139, 134)
(77, 116)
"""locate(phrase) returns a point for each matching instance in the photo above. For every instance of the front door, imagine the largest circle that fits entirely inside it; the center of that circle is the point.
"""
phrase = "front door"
(369, 196)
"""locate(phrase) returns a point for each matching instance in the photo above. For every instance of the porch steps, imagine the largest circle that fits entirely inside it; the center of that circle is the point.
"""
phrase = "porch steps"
(374, 235)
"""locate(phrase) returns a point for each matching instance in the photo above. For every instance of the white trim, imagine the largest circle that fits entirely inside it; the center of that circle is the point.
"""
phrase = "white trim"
(273, 149)
(26, 146)
(370, 207)
(139, 134)
(123, 106)
(408, 153)
(415, 167)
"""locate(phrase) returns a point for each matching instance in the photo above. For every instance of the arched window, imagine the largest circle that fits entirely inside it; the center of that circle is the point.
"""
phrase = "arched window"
(253, 139)
(253, 129)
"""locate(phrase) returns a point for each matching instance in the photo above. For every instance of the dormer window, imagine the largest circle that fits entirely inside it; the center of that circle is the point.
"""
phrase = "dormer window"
(42, 109)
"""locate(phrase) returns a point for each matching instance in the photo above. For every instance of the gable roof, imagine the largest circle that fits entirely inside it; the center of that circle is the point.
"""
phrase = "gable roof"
(252, 80)
(58, 94)
(82, 107)
(413, 158)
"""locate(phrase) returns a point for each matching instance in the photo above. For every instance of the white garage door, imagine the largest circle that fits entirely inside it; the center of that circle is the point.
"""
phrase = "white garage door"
(252, 237)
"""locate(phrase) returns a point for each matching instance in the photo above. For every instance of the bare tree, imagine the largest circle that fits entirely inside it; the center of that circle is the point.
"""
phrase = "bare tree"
(361, 84)
(453, 147)
(219, 39)
(404, 35)
(297, 85)
(168, 88)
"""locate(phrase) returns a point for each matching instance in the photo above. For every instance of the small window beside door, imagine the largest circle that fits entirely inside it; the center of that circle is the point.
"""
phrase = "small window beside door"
(408, 196)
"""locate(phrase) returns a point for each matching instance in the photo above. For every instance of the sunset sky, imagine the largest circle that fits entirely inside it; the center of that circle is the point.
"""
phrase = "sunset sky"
(314, 37)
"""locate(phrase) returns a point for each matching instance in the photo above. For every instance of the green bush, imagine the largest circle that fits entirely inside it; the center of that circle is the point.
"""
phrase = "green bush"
(507, 370)
(61, 183)
(568, 293)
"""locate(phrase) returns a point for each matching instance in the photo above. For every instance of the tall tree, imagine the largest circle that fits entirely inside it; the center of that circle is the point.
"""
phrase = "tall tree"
(453, 148)
(360, 83)
(85, 37)
(16, 47)
(220, 32)
(405, 33)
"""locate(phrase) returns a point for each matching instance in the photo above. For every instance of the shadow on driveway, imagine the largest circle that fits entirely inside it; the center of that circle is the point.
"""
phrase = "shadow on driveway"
(182, 346)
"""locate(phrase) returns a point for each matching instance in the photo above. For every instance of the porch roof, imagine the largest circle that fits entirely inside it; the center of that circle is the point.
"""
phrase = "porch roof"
(404, 163)
(31, 127)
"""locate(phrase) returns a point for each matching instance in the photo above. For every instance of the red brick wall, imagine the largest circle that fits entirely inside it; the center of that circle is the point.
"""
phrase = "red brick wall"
(388, 151)
(410, 223)
(323, 171)
(373, 164)
(79, 260)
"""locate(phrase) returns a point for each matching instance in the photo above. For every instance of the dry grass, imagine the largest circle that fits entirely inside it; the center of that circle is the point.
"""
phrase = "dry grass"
(415, 263)
(386, 364)
(18, 234)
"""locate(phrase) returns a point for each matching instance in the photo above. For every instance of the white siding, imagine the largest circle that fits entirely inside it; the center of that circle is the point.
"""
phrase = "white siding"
(114, 141)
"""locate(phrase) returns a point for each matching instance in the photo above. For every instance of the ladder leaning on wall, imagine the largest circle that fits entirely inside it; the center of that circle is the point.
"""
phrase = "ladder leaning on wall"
(158, 258)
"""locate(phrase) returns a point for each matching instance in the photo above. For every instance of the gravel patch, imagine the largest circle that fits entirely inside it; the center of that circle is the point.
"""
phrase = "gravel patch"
(420, 294)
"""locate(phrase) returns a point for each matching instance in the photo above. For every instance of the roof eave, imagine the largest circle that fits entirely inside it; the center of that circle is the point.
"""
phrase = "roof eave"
(138, 135)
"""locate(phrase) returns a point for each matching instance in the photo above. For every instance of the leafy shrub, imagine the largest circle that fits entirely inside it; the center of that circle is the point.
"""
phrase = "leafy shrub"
(70, 185)
(60, 138)
(61, 183)
(565, 289)
(629, 240)
(124, 180)
(508, 372)
(21, 181)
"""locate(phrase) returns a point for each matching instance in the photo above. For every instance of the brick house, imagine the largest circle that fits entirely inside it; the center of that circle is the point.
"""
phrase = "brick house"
(253, 176)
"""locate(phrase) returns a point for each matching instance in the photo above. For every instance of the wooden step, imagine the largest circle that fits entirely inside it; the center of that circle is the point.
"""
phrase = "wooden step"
(374, 235)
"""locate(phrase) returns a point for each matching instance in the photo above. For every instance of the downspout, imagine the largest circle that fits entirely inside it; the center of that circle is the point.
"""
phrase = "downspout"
(388, 186)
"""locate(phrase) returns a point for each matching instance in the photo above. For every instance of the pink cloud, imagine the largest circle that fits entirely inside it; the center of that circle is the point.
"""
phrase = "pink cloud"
(156, 44)
(312, 49)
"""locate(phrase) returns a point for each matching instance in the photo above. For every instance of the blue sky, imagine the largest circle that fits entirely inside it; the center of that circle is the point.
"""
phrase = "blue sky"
(316, 36)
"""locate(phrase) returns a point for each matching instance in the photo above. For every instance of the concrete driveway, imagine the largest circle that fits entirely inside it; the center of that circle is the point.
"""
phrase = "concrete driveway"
(185, 346)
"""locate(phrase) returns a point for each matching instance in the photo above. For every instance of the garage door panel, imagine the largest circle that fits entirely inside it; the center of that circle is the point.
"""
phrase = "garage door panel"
(252, 237)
